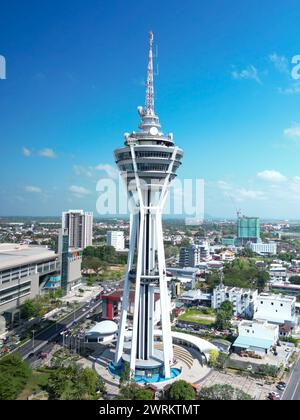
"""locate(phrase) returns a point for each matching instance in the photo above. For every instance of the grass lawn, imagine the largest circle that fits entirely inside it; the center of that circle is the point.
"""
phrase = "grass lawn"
(202, 317)
(36, 383)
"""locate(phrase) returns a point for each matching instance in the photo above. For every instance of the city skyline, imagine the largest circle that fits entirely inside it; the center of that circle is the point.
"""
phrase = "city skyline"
(224, 87)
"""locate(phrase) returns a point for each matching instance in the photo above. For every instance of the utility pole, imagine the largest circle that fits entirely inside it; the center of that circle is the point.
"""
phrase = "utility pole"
(33, 346)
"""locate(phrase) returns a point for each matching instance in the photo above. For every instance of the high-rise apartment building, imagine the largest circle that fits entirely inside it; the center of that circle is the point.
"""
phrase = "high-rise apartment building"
(192, 255)
(116, 239)
(248, 230)
(80, 227)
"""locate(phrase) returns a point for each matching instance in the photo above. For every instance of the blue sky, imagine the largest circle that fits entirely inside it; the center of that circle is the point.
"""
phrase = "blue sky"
(75, 74)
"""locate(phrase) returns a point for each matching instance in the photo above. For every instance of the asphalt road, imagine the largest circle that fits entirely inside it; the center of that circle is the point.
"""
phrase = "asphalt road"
(45, 340)
(292, 391)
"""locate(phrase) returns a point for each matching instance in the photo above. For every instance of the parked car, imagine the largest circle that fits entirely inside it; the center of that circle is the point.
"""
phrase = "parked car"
(273, 396)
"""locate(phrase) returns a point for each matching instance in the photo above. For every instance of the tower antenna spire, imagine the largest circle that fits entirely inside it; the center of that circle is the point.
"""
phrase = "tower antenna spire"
(149, 84)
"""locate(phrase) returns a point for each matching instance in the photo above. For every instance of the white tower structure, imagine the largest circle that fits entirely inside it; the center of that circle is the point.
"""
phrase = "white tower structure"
(147, 163)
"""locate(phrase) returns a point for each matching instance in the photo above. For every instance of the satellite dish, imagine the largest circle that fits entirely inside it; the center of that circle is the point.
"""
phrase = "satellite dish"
(153, 131)
(140, 110)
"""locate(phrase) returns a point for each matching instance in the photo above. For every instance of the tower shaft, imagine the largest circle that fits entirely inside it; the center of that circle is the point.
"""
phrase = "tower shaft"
(148, 163)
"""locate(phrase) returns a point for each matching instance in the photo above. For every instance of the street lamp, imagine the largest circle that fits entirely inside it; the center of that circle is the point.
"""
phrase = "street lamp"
(33, 331)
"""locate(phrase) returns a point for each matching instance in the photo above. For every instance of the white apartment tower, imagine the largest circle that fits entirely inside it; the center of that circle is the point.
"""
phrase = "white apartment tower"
(80, 227)
(116, 239)
(243, 300)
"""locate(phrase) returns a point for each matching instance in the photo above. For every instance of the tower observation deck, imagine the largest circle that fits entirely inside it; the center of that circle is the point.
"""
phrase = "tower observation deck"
(148, 163)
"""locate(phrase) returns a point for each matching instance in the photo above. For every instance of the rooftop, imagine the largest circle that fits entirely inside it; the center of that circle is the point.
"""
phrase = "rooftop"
(235, 289)
(103, 328)
(277, 297)
(14, 255)
(245, 342)
(261, 322)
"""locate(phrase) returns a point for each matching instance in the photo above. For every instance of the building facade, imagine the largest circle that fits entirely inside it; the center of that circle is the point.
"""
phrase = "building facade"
(264, 249)
(80, 227)
(248, 230)
(71, 261)
(24, 271)
(278, 272)
(276, 308)
(115, 238)
(256, 336)
(243, 300)
(192, 255)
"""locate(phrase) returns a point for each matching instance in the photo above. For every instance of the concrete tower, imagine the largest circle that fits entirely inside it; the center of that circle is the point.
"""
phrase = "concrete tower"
(147, 163)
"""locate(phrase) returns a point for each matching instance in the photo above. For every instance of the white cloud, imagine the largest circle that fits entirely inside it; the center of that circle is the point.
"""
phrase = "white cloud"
(110, 171)
(280, 62)
(293, 89)
(271, 176)
(292, 132)
(249, 73)
(223, 185)
(81, 170)
(47, 153)
(79, 191)
(243, 194)
(33, 189)
(26, 152)
(239, 194)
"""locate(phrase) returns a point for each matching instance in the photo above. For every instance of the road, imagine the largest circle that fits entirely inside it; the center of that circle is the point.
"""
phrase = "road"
(292, 391)
(45, 340)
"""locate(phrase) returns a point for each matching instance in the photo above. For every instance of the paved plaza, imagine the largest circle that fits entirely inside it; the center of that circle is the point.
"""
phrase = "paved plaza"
(257, 388)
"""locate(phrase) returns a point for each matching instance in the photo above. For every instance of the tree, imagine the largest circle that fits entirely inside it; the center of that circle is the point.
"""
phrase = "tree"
(29, 309)
(213, 358)
(267, 370)
(135, 392)
(294, 279)
(73, 383)
(227, 307)
(222, 320)
(125, 375)
(262, 279)
(14, 375)
(223, 392)
(181, 391)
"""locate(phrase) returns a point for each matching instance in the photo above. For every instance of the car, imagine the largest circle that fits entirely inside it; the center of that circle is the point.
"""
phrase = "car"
(281, 383)
(273, 397)
(31, 355)
(280, 387)
(274, 394)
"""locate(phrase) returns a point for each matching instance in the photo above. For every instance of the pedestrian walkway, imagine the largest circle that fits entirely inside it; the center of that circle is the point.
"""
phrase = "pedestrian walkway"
(100, 365)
